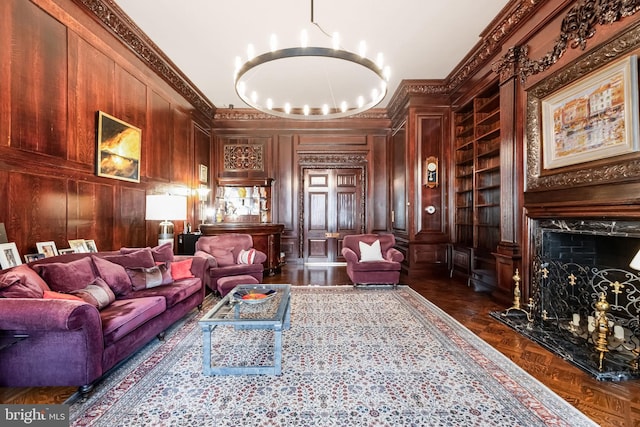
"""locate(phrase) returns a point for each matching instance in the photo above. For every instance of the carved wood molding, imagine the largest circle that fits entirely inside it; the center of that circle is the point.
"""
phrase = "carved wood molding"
(250, 114)
(487, 48)
(577, 27)
(115, 20)
(620, 171)
(356, 160)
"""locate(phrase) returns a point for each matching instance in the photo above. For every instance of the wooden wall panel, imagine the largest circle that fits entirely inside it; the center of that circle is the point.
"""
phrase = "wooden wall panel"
(378, 185)
(39, 81)
(182, 163)
(37, 210)
(58, 67)
(91, 82)
(159, 138)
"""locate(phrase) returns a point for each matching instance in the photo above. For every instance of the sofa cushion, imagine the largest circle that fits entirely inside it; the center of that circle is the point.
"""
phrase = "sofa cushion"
(173, 293)
(123, 316)
(22, 279)
(143, 278)
(160, 253)
(60, 295)
(376, 266)
(96, 293)
(67, 276)
(370, 252)
(224, 256)
(139, 258)
(181, 269)
(114, 274)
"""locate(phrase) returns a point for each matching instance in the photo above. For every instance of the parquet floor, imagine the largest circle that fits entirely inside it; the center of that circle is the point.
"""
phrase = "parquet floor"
(607, 403)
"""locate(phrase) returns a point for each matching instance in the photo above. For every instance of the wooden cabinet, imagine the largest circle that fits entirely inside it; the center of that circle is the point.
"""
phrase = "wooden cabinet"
(477, 188)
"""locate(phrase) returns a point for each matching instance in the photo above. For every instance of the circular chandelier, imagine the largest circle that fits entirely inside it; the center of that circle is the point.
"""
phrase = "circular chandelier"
(314, 72)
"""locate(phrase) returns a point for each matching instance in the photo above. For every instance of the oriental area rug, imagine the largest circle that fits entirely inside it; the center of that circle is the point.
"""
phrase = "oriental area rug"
(352, 357)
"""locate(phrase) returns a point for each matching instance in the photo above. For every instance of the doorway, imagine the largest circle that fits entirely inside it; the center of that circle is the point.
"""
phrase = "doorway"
(333, 207)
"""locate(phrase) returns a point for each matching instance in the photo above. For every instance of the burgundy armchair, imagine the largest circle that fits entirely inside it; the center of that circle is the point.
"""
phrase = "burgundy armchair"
(224, 252)
(373, 266)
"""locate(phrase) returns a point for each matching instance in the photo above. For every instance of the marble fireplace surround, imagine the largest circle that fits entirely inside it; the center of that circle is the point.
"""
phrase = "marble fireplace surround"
(574, 262)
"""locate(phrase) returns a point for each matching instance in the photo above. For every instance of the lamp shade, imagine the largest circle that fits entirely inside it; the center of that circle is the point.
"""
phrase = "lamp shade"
(161, 207)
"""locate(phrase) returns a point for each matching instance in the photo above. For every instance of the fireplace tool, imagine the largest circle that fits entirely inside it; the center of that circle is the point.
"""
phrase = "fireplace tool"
(516, 300)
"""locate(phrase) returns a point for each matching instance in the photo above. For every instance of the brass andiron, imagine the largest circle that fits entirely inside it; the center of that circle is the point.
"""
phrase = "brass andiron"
(602, 325)
(516, 299)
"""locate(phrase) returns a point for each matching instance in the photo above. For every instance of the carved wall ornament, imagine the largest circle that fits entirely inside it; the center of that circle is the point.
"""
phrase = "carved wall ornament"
(577, 27)
(242, 157)
(536, 178)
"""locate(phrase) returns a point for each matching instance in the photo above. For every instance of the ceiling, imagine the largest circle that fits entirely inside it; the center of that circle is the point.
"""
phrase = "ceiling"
(420, 39)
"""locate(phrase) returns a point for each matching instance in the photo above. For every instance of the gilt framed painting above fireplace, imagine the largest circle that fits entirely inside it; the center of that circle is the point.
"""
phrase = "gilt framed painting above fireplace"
(593, 118)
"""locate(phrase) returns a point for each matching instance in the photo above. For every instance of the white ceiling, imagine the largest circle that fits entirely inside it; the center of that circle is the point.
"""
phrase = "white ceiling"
(420, 39)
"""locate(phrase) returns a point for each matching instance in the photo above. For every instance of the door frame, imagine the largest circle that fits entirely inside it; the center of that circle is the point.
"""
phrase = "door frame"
(352, 160)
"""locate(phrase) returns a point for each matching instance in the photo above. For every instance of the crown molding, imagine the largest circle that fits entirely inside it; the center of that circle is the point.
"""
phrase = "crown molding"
(109, 14)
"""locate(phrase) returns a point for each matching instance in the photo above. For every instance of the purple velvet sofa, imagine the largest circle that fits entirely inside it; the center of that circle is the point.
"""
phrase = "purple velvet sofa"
(223, 252)
(385, 270)
(122, 300)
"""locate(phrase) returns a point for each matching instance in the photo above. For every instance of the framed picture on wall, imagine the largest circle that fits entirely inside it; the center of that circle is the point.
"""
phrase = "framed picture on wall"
(47, 248)
(593, 118)
(9, 256)
(119, 145)
(204, 173)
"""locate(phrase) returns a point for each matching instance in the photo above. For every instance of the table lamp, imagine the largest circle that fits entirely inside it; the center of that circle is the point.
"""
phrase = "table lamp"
(166, 207)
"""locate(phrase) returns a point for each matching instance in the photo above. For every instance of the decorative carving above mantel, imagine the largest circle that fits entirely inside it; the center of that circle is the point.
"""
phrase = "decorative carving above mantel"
(335, 160)
(577, 27)
(114, 19)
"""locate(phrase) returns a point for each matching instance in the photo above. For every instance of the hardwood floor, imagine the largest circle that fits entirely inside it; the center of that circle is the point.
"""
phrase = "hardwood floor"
(607, 403)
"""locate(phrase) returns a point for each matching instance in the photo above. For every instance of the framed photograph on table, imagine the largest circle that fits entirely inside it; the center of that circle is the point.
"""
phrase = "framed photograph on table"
(33, 257)
(79, 246)
(91, 245)
(66, 251)
(593, 118)
(47, 248)
(9, 256)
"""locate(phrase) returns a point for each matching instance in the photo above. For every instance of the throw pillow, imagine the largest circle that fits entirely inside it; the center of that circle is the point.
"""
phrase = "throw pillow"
(67, 276)
(165, 269)
(26, 275)
(144, 278)
(139, 258)
(370, 252)
(160, 253)
(96, 293)
(60, 295)
(21, 282)
(224, 257)
(246, 257)
(114, 274)
(181, 269)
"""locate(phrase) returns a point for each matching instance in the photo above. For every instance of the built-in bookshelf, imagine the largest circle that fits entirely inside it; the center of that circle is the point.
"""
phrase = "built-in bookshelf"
(477, 188)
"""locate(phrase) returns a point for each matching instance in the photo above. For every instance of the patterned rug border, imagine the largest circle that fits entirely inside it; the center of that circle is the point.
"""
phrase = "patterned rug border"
(548, 406)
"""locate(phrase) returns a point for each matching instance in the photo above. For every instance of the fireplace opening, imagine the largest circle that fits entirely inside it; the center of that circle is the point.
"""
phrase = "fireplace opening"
(584, 300)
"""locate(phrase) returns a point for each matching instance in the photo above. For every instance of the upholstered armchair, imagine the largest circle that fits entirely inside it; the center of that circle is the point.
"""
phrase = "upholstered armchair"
(230, 255)
(372, 259)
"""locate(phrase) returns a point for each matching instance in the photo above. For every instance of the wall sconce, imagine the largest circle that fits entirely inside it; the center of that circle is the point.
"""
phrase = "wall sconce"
(203, 196)
(430, 172)
(166, 207)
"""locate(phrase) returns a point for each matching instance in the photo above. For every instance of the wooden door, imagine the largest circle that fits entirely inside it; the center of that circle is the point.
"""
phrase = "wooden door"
(333, 208)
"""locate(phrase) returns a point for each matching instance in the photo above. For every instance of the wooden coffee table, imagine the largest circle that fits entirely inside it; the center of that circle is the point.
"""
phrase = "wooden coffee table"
(272, 312)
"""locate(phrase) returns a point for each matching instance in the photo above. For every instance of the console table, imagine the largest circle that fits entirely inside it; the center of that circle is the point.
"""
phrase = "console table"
(266, 238)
